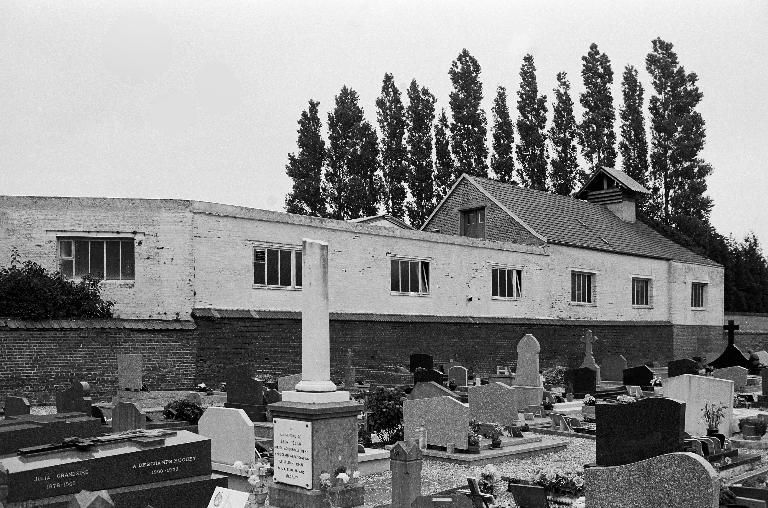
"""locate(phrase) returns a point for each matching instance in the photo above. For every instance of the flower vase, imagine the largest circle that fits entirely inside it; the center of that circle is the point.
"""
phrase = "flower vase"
(257, 500)
(556, 499)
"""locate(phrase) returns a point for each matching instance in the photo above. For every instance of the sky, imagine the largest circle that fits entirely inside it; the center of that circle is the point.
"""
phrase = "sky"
(199, 100)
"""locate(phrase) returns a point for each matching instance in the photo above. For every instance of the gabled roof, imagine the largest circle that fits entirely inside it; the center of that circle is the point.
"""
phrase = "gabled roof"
(622, 180)
(384, 216)
(565, 220)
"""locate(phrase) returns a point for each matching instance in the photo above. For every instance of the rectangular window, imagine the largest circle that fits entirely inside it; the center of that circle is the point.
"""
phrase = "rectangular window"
(698, 290)
(105, 258)
(582, 287)
(473, 223)
(409, 276)
(506, 282)
(277, 267)
(641, 291)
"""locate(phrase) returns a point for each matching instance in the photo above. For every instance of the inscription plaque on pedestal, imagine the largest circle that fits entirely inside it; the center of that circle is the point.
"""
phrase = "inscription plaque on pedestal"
(293, 452)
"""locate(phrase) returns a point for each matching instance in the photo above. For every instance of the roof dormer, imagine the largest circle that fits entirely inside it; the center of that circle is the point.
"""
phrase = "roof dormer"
(615, 190)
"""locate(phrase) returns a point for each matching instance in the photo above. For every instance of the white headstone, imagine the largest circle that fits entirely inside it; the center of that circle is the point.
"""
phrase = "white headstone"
(736, 374)
(527, 373)
(696, 391)
(458, 375)
(445, 420)
(231, 433)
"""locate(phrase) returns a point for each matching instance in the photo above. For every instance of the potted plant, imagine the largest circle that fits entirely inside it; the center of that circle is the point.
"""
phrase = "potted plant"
(564, 487)
(473, 442)
(588, 409)
(712, 415)
(333, 485)
(259, 477)
(496, 432)
(488, 476)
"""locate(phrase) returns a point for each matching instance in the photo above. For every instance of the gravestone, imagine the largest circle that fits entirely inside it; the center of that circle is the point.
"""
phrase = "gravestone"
(129, 372)
(493, 403)
(32, 430)
(405, 462)
(682, 366)
(584, 380)
(160, 468)
(732, 355)
(640, 430)
(245, 392)
(736, 374)
(425, 376)
(231, 433)
(612, 368)
(87, 499)
(641, 376)
(696, 391)
(421, 361)
(126, 416)
(672, 480)
(762, 357)
(430, 389)
(16, 406)
(288, 383)
(445, 419)
(271, 396)
(75, 399)
(528, 386)
(458, 375)
(589, 358)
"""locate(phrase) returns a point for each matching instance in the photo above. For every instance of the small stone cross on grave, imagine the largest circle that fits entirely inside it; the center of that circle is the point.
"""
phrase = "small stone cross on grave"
(589, 358)
(730, 328)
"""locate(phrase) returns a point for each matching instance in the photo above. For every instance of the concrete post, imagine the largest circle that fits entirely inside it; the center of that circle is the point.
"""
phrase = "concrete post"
(405, 461)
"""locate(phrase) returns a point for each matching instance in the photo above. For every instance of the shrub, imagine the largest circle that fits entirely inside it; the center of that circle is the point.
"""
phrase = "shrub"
(29, 291)
(183, 410)
(555, 376)
(385, 418)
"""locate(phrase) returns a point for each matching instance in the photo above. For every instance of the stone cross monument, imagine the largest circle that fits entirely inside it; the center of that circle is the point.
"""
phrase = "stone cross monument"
(589, 359)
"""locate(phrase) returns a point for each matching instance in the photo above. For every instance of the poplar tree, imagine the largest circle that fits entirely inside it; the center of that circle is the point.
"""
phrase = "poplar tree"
(596, 132)
(634, 144)
(306, 167)
(445, 173)
(502, 162)
(352, 182)
(420, 116)
(531, 149)
(565, 174)
(391, 118)
(468, 128)
(677, 137)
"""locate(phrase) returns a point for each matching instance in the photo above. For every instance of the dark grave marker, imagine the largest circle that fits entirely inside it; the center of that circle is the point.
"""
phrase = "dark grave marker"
(245, 392)
(75, 399)
(32, 430)
(584, 380)
(681, 367)
(118, 460)
(126, 416)
(641, 376)
(271, 396)
(421, 361)
(425, 376)
(639, 430)
(16, 406)
(612, 367)
(732, 355)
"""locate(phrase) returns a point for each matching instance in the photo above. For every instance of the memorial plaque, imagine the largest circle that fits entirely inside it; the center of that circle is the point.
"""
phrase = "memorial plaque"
(293, 452)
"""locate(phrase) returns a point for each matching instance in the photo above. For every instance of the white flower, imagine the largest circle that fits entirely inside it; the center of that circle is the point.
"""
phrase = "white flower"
(343, 477)
(254, 480)
(356, 475)
(238, 465)
(325, 476)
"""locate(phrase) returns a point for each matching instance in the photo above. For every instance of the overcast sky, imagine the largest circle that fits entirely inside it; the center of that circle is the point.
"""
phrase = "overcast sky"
(199, 100)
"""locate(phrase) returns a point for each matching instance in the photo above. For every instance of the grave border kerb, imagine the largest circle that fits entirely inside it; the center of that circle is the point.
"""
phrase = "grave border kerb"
(307, 411)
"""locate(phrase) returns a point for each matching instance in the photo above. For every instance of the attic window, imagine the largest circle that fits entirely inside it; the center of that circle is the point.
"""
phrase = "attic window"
(473, 223)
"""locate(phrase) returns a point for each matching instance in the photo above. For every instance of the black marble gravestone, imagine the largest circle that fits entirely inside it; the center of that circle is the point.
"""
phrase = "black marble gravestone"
(245, 392)
(31, 430)
(639, 430)
(421, 361)
(584, 380)
(16, 406)
(682, 366)
(732, 355)
(425, 376)
(75, 399)
(641, 376)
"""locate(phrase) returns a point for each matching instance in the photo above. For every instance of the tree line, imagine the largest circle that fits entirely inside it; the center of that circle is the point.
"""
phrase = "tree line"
(408, 166)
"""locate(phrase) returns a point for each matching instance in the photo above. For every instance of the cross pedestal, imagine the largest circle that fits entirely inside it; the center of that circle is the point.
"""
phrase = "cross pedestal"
(315, 426)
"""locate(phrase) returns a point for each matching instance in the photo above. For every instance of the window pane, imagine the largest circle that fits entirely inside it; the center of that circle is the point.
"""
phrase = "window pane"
(65, 248)
(503, 283)
(259, 264)
(413, 275)
(127, 262)
(273, 275)
(573, 287)
(404, 287)
(113, 260)
(97, 258)
(511, 284)
(481, 215)
(494, 282)
(424, 277)
(588, 288)
(65, 267)
(518, 283)
(298, 268)
(395, 275)
(285, 268)
(81, 257)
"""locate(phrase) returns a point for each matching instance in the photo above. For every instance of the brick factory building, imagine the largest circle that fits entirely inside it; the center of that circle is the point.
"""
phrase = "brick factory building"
(199, 286)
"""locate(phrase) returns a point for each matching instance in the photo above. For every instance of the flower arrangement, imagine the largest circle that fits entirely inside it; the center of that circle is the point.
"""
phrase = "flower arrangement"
(713, 414)
(259, 478)
(473, 439)
(625, 399)
(488, 476)
(589, 400)
(562, 482)
(341, 478)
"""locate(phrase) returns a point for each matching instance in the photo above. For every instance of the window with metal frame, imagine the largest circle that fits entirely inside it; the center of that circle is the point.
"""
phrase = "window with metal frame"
(277, 267)
(641, 291)
(698, 293)
(409, 276)
(506, 282)
(582, 287)
(105, 258)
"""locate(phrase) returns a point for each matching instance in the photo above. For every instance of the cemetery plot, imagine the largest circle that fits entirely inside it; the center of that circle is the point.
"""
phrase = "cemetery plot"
(32, 430)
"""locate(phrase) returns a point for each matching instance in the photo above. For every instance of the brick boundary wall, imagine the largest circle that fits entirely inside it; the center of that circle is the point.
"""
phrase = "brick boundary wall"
(38, 362)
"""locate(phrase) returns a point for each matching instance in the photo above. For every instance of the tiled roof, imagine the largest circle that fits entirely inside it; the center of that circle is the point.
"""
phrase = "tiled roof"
(568, 221)
(621, 177)
(394, 220)
(133, 324)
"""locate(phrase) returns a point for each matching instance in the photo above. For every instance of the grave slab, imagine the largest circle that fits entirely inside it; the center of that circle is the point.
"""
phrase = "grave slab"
(682, 366)
(493, 403)
(75, 399)
(33, 430)
(126, 416)
(16, 406)
(232, 435)
(430, 389)
(642, 376)
(445, 420)
(736, 374)
(288, 383)
(612, 368)
(695, 391)
(458, 375)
